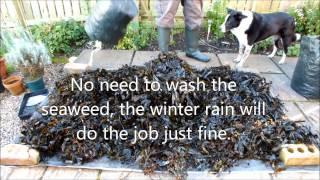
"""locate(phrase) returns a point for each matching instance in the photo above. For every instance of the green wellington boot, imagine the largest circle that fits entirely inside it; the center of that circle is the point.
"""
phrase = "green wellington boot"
(192, 45)
(164, 39)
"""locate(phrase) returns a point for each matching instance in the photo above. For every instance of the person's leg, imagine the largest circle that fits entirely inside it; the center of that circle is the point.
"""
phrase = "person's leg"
(193, 17)
(165, 12)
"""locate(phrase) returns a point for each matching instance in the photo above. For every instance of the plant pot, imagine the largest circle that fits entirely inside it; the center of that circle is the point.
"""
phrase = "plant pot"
(35, 85)
(14, 85)
(3, 70)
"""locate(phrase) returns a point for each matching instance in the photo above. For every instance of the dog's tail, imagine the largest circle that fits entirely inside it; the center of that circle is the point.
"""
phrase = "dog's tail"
(297, 37)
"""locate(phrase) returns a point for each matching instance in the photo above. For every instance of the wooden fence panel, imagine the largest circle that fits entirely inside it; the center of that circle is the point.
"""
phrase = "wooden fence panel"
(37, 11)
(84, 7)
(44, 9)
(59, 8)
(52, 9)
(27, 9)
(67, 8)
(10, 15)
(5, 17)
(76, 7)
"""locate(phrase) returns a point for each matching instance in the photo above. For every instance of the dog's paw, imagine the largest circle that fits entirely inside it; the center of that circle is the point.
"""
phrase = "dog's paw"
(281, 62)
(270, 55)
(238, 66)
(237, 60)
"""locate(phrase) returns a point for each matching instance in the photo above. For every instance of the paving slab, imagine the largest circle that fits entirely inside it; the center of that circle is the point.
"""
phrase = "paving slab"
(107, 59)
(27, 173)
(197, 64)
(142, 57)
(312, 111)
(259, 62)
(300, 175)
(71, 173)
(262, 175)
(5, 171)
(293, 112)
(281, 87)
(288, 67)
(105, 175)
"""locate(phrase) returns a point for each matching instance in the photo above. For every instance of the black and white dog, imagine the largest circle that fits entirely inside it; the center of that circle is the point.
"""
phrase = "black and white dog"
(250, 27)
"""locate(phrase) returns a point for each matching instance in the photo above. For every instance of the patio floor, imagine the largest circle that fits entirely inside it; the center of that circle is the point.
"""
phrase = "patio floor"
(298, 108)
(55, 173)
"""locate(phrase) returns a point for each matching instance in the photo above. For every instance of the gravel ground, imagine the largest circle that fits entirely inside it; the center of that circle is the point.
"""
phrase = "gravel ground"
(9, 106)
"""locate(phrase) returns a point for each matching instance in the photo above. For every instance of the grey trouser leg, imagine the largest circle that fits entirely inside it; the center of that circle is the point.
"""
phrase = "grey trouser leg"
(193, 14)
(165, 12)
(167, 9)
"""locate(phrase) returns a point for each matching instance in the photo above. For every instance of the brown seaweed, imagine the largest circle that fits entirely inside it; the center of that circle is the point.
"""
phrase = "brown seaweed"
(249, 136)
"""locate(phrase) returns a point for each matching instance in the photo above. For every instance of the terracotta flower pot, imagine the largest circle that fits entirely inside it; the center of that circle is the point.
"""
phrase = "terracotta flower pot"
(3, 71)
(14, 85)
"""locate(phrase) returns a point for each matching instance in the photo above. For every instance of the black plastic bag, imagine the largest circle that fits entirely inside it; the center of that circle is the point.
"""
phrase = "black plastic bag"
(306, 76)
(109, 20)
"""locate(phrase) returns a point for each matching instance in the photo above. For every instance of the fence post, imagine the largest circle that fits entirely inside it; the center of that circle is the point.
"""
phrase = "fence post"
(18, 6)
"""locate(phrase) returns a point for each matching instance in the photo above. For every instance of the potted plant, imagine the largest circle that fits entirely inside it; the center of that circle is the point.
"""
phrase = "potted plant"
(12, 83)
(29, 57)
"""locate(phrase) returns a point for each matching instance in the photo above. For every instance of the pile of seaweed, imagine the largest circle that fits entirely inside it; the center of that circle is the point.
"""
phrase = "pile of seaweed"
(249, 136)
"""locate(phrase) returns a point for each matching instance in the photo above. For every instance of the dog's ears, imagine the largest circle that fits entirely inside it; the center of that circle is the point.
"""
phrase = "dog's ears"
(229, 10)
(240, 16)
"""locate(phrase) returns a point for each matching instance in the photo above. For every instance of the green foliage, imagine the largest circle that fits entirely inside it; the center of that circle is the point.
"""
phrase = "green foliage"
(175, 31)
(59, 60)
(10, 68)
(137, 36)
(307, 18)
(216, 17)
(266, 45)
(2, 50)
(294, 50)
(62, 36)
(262, 46)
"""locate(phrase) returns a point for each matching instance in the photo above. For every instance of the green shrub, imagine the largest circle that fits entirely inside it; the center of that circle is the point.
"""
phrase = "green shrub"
(10, 68)
(293, 50)
(2, 50)
(175, 32)
(137, 36)
(262, 46)
(59, 60)
(307, 18)
(61, 37)
(216, 16)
